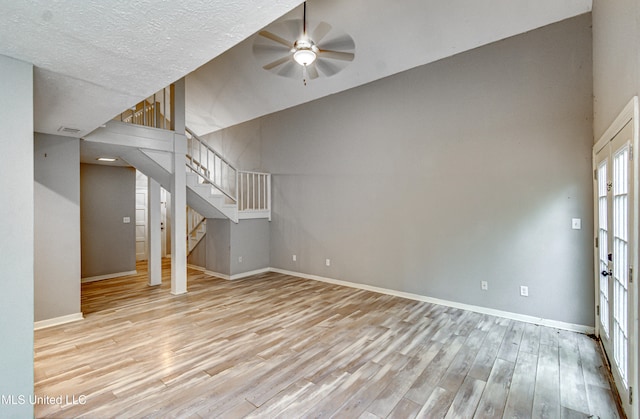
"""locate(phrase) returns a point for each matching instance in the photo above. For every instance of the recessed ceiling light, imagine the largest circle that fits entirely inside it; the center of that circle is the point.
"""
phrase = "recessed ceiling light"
(109, 159)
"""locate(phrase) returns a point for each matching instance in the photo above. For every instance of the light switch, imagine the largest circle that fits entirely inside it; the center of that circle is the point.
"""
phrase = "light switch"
(576, 223)
(126, 220)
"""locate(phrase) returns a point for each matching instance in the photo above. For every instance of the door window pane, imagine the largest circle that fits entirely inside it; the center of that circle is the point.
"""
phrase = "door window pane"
(620, 262)
(603, 248)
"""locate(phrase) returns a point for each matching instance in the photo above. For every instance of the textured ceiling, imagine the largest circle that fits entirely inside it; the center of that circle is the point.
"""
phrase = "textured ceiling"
(95, 58)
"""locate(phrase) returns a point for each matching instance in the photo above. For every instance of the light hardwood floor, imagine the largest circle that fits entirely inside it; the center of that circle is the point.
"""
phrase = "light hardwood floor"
(278, 346)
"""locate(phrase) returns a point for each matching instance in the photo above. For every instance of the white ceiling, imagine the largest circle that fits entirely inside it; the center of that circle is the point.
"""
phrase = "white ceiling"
(95, 58)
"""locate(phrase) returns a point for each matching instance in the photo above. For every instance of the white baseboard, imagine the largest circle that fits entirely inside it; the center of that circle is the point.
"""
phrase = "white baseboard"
(207, 272)
(230, 277)
(108, 276)
(43, 324)
(250, 273)
(477, 309)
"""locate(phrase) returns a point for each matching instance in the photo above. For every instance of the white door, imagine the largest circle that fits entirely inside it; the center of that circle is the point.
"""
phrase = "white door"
(141, 216)
(141, 224)
(163, 222)
(615, 255)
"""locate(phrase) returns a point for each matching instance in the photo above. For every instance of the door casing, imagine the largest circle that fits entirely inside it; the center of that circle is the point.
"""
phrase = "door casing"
(630, 114)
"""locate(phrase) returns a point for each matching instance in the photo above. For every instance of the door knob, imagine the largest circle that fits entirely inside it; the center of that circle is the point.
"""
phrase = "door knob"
(605, 273)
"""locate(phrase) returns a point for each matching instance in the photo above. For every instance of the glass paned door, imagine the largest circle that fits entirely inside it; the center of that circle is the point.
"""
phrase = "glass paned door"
(613, 203)
(620, 259)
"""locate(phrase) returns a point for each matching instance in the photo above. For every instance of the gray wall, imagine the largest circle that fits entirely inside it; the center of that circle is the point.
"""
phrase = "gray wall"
(616, 59)
(107, 195)
(226, 242)
(218, 243)
(240, 145)
(432, 180)
(16, 235)
(57, 226)
(249, 240)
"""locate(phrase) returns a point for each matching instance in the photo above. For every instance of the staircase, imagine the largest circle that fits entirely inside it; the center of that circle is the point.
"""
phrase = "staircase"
(213, 181)
(215, 188)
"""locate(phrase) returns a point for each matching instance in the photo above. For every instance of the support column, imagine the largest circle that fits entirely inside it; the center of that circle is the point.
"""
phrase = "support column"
(155, 238)
(179, 193)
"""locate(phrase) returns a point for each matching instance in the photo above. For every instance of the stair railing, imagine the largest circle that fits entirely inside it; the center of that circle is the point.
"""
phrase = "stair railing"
(250, 191)
(254, 191)
(211, 166)
(151, 112)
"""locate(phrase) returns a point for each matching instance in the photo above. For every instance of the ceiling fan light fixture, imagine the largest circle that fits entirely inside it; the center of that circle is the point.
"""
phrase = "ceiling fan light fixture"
(305, 52)
(304, 56)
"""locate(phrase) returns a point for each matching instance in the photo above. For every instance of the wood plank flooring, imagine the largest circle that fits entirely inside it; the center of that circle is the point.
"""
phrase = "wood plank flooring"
(279, 346)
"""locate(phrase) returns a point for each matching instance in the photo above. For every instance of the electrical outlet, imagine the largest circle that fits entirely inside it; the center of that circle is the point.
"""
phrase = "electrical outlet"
(484, 285)
(524, 290)
(126, 220)
(295, 258)
(327, 262)
(239, 259)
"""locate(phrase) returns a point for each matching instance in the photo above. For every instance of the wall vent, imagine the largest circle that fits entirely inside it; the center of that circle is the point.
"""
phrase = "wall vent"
(68, 130)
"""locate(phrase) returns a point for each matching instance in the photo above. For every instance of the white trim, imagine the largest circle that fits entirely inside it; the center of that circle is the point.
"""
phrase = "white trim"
(631, 112)
(207, 272)
(628, 113)
(253, 214)
(56, 321)
(230, 277)
(107, 276)
(634, 379)
(477, 309)
(250, 273)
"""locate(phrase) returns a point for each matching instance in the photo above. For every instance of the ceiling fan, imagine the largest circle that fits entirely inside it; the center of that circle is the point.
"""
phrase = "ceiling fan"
(323, 52)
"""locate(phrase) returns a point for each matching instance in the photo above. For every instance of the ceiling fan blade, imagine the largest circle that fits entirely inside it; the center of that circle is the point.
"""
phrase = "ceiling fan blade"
(327, 68)
(276, 38)
(342, 43)
(289, 70)
(320, 32)
(271, 51)
(277, 62)
(312, 71)
(336, 55)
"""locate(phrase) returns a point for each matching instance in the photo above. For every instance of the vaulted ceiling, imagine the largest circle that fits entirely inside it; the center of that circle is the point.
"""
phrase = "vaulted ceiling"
(95, 58)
